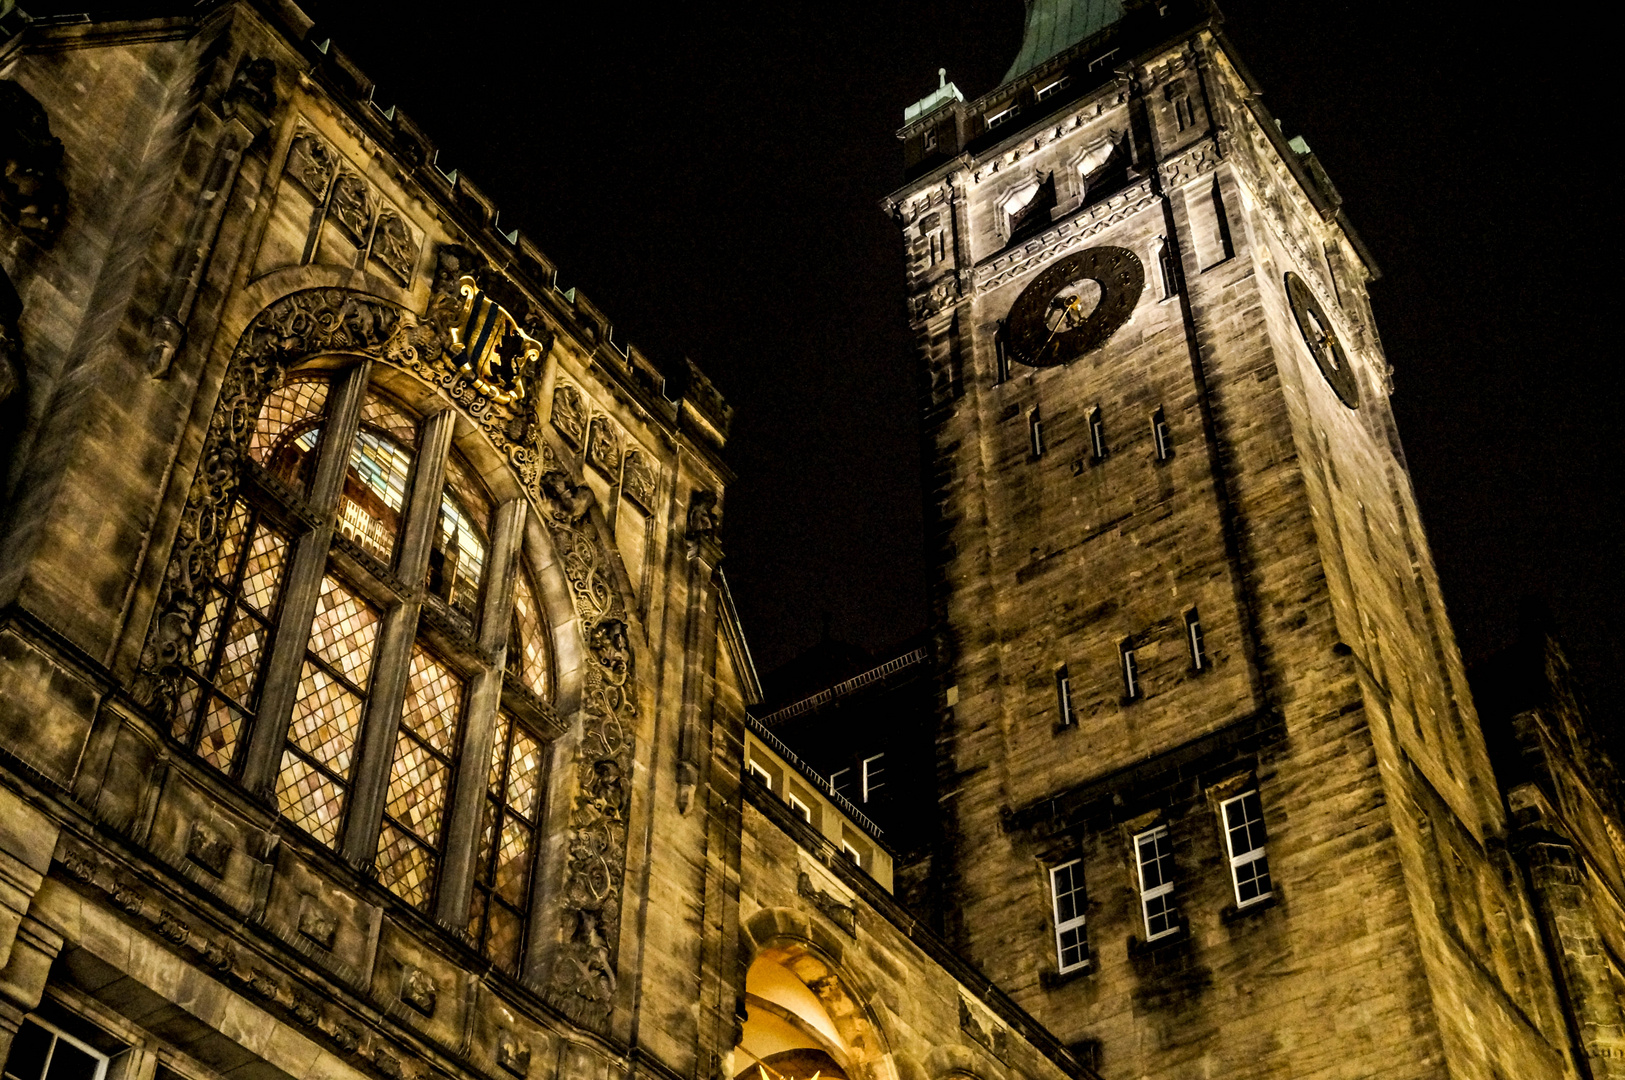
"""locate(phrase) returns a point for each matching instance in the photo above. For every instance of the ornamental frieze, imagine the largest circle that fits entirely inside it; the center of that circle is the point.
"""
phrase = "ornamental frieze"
(1064, 238)
(1190, 163)
(336, 320)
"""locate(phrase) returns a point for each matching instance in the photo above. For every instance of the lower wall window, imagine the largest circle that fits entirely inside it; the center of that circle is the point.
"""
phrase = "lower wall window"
(1071, 942)
(39, 1051)
(1154, 852)
(1244, 837)
(502, 872)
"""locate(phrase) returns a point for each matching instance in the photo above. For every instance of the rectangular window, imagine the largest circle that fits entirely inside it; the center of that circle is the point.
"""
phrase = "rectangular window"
(1244, 837)
(1193, 637)
(1035, 433)
(409, 841)
(1053, 88)
(1183, 116)
(1063, 695)
(938, 247)
(1226, 247)
(801, 809)
(1002, 117)
(838, 785)
(1169, 264)
(871, 771)
(1131, 669)
(1159, 435)
(1097, 434)
(1154, 854)
(930, 140)
(1071, 943)
(762, 774)
(852, 853)
(40, 1051)
(1001, 356)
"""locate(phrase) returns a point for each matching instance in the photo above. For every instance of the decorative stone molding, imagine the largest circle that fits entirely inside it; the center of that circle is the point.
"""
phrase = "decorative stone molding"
(1065, 237)
(1189, 164)
(843, 915)
(335, 320)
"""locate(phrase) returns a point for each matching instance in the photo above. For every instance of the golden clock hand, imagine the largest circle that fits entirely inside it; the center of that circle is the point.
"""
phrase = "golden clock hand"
(1070, 305)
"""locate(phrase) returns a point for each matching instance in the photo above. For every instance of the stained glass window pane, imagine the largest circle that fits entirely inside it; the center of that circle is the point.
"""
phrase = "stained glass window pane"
(381, 413)
(291, 409)
(405, 867)
(434, 698)
(208, 626)
(499, 754)
(530, 650)
(240, 660)
(374, 492)
(513, 861)
(308, 799)
(231, 541)
(502, 939)
(417, 790)
(221, 726)
(458, 559)
(326, 717)
(344, 631)
(262, 575)
(525, 774)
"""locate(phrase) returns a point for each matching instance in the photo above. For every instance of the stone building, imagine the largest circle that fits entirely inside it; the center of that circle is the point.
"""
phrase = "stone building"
(372, 703)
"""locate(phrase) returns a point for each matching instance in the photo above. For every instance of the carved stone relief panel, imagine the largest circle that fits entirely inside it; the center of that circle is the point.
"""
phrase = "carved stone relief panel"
(350, 206)
(395, 245)
(569, 413)
(604, 446)
(311, 164)
(638, 480)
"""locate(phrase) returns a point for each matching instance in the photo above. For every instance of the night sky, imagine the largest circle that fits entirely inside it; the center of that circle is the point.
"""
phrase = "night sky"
(709, 174)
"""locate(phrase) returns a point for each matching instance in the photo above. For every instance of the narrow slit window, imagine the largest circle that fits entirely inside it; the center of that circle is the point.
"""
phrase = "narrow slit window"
(1035, 433)
(1168, 263)
(1001, 355)
(1226, 246)
(872, 771)
(1194, 638)
(1160, 440)
(1097, 435)
(1063, 696)
(1244, 837)
(1154, 855)
(1066, 891)
(1131, 670)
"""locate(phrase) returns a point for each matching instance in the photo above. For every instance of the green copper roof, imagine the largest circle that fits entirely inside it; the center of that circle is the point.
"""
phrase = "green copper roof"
(1054, 26)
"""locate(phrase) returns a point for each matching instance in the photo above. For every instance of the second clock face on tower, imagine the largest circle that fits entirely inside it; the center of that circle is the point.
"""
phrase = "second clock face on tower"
(1074, 306)
(1318, 334)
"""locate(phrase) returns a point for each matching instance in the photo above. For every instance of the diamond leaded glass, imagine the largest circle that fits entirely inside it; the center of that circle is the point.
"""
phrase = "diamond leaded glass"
(507, 843)
(529, 650)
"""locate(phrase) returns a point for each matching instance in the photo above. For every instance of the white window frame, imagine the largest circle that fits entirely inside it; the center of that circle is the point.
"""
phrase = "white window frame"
(1054, 87)
(798, 806)
(78, 1044)
(1159, 434)
(1159, 891)
(1097, 434)
(1063, 695)
(762, 773)
(1196, 640)
(869, 787)
(1131, 671)
(1035, 432)
(1003, 116)
(1076, 922)
(851, 851)
(1250, 856)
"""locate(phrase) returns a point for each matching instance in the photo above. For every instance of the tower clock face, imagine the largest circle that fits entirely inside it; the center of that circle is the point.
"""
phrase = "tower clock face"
(1074, 306)
(1318, 334)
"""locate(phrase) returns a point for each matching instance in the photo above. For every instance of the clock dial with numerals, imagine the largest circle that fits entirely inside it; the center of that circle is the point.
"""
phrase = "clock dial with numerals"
(1318, 334)
(1074, 306)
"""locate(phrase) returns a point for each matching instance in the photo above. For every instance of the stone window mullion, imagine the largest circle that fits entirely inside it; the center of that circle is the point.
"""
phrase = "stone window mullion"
(484, 700)
(381, 720)
(302, 586)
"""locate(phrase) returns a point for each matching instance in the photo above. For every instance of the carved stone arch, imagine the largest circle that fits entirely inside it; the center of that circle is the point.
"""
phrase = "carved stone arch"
(577, 969)
(814, 955)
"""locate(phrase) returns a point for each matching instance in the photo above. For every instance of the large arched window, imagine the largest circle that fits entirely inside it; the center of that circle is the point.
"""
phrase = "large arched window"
(352, 643)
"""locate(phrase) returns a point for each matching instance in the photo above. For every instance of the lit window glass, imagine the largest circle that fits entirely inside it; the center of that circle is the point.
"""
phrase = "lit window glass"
(507, 837)
(408, 844)
(287, 428)
(458, 558)
(1066, 890)
(327, 712)
(1244, 836)
(528, 649)
(374, 493)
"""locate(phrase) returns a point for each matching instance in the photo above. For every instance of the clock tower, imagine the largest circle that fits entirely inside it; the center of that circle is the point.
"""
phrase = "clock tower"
(1216, 798)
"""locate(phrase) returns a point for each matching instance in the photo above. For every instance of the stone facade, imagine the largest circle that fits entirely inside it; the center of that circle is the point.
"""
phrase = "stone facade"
(372, 704)
(1182, 575)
